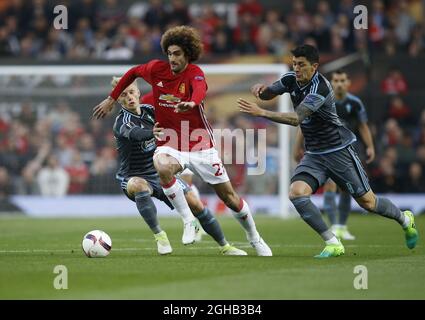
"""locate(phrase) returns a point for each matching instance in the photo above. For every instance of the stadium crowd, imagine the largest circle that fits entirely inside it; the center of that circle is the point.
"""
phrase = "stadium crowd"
(57, 151)
(60, 152)
(119, 30)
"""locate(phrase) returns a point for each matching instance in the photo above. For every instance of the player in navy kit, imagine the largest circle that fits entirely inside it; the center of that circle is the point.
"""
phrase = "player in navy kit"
(136, 133)
(328, 144)
(352, 113)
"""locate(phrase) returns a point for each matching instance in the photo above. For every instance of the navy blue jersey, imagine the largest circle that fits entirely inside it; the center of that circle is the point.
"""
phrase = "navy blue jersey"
(323, 131)
(351, 112)
(135, 156)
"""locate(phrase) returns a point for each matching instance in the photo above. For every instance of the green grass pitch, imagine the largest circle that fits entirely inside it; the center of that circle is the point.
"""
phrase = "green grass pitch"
(31, 248)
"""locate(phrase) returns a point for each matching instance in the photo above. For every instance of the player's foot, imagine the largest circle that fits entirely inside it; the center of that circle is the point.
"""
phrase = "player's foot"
(331, 250)
(335, 229)
(189, 232)
(344, 234)
(199, 233)
(261, 247)
(411, 233)
(228, 250)
(162, 242)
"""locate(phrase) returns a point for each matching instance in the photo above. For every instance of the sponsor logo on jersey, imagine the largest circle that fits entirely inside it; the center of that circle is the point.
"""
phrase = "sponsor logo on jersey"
(169, 98)
(159, 84)
(200, 78)
(348, 107)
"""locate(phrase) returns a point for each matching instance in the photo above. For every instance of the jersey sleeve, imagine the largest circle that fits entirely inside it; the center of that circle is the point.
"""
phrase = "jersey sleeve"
(361, 112)
(198, 86)
(283, 84)
(141, 71)
(117, 127)
(134, 133)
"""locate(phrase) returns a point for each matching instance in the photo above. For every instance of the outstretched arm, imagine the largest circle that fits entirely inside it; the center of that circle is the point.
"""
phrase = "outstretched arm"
(368, 141)
(290, 118)
(103, 108)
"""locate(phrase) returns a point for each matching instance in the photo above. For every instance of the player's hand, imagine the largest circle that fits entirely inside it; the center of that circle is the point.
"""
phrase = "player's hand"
(250, 107)
(256, 89)
(103, 108)
(184, 106)
(370, 152)
(158, 131)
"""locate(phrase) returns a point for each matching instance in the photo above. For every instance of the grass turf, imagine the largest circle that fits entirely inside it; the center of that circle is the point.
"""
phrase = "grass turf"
(31, 248)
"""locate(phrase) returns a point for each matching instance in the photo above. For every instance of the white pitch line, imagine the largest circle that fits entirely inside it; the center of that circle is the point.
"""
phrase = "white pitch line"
(194, 247)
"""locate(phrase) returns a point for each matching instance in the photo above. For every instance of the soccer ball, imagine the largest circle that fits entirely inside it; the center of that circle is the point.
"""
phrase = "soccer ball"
(96, 244)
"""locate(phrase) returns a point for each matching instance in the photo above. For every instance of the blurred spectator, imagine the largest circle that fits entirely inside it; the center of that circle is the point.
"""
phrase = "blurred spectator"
(87, 147)
(342, 35)
(321, 34)
(416, 181)
(245, 34)
(5, 184)
(271, 35)
(156, 15)
(178, 14)
(392, 133)
(399, 111)
(78, 173)
(404, 23)
(419, 134)
(251, 7)
(324, 11)
(394, 83)
(378, 23)
(52, 179)
(386, 180)
(299, 21)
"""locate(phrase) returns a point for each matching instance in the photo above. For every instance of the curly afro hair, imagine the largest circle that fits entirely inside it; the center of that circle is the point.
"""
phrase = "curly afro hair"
(186, 38)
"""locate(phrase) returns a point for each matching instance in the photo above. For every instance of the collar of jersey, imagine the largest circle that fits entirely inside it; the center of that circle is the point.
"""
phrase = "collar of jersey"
(308, 83)
(132, 113)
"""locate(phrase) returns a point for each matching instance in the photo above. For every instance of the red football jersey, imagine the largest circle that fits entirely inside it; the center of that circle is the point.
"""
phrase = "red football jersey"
(191, 130)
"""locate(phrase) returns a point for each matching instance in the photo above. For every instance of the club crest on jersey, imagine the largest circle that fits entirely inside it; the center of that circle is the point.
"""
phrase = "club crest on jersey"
(348, 108)
(159, 84)
(182, 88)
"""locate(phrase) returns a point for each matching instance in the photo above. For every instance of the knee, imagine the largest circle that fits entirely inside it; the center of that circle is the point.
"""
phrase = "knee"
(136, 185)
(368, 203)
(297, 191)
(164, 169)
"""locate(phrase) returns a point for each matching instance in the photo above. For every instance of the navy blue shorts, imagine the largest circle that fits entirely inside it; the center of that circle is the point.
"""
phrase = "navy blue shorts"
(343, 167)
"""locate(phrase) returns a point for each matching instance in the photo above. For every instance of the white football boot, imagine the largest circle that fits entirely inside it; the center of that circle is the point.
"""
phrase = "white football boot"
(261, 247)
(163, 244)
(189, 232)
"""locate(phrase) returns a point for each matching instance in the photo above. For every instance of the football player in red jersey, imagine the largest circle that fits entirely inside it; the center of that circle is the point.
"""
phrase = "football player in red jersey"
(179, 88)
